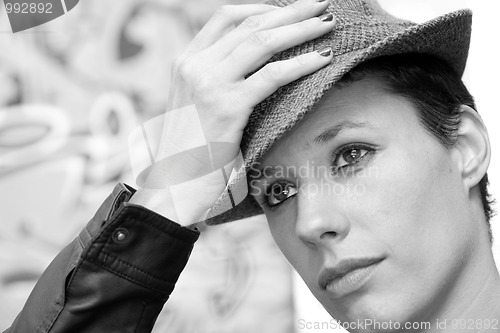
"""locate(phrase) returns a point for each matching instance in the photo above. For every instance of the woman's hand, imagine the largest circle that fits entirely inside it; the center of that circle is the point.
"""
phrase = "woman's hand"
(212, 80)
(236, 41)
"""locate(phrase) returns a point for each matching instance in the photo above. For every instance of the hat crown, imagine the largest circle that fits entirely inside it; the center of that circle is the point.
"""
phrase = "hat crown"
(359, 24)
(349, 10)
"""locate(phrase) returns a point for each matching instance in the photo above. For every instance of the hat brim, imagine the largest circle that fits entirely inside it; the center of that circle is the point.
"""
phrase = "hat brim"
(446, 37)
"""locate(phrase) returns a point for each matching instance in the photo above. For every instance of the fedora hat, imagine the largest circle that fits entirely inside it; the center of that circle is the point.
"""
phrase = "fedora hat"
(363, 31)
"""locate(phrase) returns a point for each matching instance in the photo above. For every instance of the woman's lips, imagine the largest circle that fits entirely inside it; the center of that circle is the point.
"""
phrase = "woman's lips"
(347, 276)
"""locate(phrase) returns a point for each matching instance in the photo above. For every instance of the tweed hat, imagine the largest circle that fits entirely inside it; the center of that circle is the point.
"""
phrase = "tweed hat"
(363, 31)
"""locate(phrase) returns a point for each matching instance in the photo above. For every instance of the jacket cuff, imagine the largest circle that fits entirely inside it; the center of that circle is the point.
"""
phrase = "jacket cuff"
(131, 242)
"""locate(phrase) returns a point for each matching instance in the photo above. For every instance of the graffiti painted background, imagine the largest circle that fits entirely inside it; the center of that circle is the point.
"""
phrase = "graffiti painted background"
(70, 93)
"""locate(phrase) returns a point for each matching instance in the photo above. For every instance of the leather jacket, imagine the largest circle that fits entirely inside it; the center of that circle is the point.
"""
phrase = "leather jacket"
(114, 277)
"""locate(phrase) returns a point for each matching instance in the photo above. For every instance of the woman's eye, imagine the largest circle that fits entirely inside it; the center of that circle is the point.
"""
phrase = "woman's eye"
(279, 192)
(349, 156)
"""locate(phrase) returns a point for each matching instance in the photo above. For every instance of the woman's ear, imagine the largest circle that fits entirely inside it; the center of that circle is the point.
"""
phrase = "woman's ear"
(473, 146)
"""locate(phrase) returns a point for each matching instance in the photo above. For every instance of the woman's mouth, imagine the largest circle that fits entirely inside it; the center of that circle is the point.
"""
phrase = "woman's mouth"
(347, 276)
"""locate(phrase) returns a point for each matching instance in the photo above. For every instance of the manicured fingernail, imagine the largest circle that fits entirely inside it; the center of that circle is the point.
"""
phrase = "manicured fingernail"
(326, 52)
(326, 17)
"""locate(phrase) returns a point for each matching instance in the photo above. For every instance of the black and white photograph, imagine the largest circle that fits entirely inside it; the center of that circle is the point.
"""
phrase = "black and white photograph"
(241, 166)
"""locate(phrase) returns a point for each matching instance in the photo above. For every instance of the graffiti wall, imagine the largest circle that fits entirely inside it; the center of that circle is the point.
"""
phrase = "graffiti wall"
(71, 92)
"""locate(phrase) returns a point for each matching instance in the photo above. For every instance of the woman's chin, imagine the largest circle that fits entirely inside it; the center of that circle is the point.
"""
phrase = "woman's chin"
(369, 311)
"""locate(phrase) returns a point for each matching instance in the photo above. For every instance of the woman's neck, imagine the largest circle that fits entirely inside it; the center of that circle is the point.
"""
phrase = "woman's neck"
(474, 302)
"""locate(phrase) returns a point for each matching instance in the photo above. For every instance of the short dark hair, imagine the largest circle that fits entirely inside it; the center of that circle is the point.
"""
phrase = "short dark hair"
(435, 90)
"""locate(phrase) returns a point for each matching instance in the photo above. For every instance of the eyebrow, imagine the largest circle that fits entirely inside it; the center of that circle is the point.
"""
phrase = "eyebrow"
(331, 132)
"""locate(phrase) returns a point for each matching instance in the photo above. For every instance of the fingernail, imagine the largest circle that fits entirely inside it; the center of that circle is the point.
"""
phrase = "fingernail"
(326, 52)
(326, 17)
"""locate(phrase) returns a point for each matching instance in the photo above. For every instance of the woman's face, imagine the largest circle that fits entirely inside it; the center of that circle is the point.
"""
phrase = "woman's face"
(368, 207)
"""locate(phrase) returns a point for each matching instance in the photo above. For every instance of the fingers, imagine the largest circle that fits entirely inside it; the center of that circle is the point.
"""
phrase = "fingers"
(296, 12)
(267, 80)
(262, 45)
(226, 18)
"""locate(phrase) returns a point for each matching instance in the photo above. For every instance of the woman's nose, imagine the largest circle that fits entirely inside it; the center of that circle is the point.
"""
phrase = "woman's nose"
(320, 219)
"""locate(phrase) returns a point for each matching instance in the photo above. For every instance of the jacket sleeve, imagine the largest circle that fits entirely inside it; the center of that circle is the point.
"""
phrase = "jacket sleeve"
(114, 277)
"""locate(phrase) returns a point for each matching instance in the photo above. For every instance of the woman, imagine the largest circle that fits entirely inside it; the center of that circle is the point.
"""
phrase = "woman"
(373, 182)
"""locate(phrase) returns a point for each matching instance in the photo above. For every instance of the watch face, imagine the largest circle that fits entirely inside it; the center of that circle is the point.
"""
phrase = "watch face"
(26, 14)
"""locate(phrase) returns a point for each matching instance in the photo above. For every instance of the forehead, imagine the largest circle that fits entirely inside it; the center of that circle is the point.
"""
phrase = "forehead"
(364, 105)
(359, 101)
